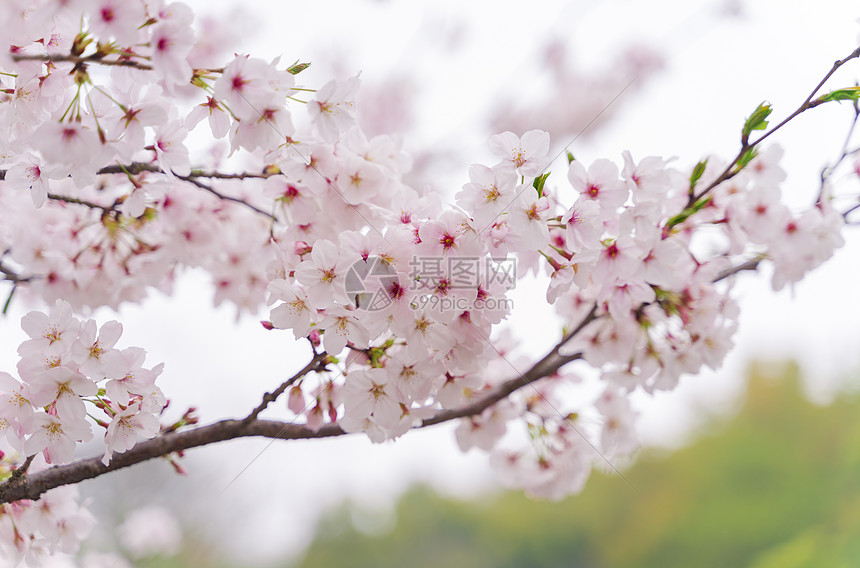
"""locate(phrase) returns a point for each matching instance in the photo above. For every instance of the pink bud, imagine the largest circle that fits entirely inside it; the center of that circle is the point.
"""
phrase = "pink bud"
(315, 417)
(177, 467)
(296, 401)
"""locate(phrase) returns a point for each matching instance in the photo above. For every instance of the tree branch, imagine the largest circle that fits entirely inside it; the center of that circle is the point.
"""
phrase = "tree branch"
(76, 201)
(140, 167)
(11, 276)
(546, 367)
(728, 172)
(47, 58)
(751, 264)
(220, 195)
(270, 397)
(135, 168)
(32, 486)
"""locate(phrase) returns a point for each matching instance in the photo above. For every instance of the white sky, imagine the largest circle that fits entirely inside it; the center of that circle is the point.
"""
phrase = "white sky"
(718, 68)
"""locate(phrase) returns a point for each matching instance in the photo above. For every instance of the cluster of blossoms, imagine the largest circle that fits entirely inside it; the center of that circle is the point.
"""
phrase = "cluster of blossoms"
(66, 365)
(101, 203)
(31, 531)
(634, 259)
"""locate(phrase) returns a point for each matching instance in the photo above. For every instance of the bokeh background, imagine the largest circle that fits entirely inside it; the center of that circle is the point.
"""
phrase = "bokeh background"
(764, 476)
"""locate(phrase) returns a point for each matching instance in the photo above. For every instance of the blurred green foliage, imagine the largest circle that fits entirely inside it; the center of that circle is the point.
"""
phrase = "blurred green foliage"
(776, 486)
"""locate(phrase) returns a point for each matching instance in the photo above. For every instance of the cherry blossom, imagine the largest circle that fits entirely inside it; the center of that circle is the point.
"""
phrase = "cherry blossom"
(370, 393)
(118, 20)
(56, 437)
(526, 155)
(127, 427)
(323, 274)
(400, 296)
(332, 109)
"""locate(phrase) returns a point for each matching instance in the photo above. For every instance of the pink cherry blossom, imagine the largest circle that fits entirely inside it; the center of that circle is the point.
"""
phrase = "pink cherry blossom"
(599, 183)
(526, 155)
(55, 437)
(296, 312)
(96, 354)
(370, 393)
(323, 275)
(116, 19)
(127, 427)
(332, 109)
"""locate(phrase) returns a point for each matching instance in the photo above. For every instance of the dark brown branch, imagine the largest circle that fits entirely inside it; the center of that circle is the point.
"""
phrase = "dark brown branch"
(20, 471)
(32, 486)
(220, 195)
(76, 201)
(97, 60)
(546, 367)
(83, 60)
(139, 167)
(592, 315)
(751, 264)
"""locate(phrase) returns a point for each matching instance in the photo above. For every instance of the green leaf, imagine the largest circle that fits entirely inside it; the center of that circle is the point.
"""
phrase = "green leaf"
(539, 183)
(570, 158)
(9, 300)
(745, 159)
(697, 173)
(689, 211)
(80, 43)
(756, 121)
(847, 94)
(298, 68)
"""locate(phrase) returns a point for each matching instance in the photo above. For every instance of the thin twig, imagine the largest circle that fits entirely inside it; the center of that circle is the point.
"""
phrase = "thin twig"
(12, 276)
(219, 195)
(270, 397)
(135, 168)
(730, 172)
(844, 153)
(592, 315)
(139, 167)
(76, 201)
(849, 211)
(48, 58)
(751, 264)
(21, 470)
